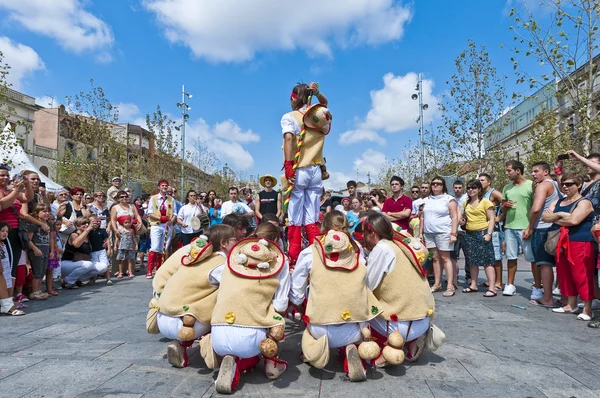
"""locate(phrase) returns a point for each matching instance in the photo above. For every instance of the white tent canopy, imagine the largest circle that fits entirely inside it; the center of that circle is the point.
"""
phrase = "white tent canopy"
(14, 155)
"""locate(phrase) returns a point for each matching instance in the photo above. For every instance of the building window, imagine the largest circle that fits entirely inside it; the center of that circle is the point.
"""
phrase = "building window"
(44, 170)
(71, 148)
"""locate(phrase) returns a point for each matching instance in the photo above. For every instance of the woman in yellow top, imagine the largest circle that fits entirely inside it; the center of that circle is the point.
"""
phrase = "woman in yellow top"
(478, 221)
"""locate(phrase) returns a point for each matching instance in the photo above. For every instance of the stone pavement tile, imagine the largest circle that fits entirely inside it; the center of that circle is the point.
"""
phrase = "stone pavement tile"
(431, 367)
(588, 374)
(383, 387)
(489, 367)
(62, 377)
(443, 389)
(10, 365)
(149, 381)
(10, 343)
(53, 331)
(143, 352)
(558, 392)
(65, 349)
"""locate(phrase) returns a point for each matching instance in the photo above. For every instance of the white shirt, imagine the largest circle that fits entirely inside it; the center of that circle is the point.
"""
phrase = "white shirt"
(185, 215)
(289, 125)
(382, 260)
(416, 204)
(436, 214)
(280, 299)
(234, 207)
(302, 272)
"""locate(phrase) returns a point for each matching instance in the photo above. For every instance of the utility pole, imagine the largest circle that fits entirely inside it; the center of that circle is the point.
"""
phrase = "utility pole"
(184, 117)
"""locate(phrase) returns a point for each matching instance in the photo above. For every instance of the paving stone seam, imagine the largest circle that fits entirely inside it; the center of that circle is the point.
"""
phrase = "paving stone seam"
(25, 368)
(467, 370)
(117, 346)
(580, 382)
(100, 385)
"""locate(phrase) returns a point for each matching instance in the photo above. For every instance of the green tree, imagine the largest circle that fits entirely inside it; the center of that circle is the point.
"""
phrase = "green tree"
(476, 99)
(406, 166)
(563, 44)
(99, 150)
(165, 161)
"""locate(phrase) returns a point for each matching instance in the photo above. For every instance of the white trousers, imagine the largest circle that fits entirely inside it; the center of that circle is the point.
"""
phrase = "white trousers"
(418, 328)
(169, 326)
(239, 341)
(80, 270)
(100, 261)
(157, 237)
(305, 199)
(338, 335)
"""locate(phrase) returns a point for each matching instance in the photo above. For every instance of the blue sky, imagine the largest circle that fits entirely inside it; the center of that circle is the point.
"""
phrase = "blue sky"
(240, 60)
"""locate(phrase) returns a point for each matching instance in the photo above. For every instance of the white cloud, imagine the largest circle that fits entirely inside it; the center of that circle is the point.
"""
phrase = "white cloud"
(46, 101)
(23, 61)
(66, 21)
(371, 161)
(235, 30)
(392, 109)
(127, 111)
(337, 180)
(231, 131)
(224, 139)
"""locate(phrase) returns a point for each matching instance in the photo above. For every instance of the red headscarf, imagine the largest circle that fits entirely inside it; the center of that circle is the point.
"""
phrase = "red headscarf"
(121, 219)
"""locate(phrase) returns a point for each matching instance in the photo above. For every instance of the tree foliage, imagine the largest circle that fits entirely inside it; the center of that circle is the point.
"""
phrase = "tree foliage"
(563, 44)
(97, 153)
(476, 99)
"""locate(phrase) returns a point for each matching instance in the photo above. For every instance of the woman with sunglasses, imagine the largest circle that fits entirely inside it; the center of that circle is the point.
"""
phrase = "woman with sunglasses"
(438, 228)
(76, 264)
(478, 220)
(576, 252)
(124, 208)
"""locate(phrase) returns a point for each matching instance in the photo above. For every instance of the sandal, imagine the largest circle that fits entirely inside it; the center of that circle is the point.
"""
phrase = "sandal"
(52, 292)
(594, 325)
(449, 292)
(435, 289)
(490, 293)
(70, 286)
(470, 290)
(14, 312)
(120, 275)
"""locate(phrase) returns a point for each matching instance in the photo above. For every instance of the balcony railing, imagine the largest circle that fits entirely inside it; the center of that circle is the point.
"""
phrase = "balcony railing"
(44, 152)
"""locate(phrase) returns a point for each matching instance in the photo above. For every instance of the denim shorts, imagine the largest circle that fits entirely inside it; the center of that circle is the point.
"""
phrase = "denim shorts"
(538, 240)
(514, 241)
(497, 239)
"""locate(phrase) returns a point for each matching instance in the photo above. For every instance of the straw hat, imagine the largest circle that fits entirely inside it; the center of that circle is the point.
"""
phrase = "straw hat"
(198, 250)
(318, 118)
(263, 178)
(337, 251)
(400, 232)
(416, 252)
(255, 258)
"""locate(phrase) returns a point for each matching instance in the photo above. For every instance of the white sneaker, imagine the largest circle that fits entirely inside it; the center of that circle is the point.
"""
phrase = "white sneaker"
(509, 290)
(595, 304)
(536, 293)
(556, 292)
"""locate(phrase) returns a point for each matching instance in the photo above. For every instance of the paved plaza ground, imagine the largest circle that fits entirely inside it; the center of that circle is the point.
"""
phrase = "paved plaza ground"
(92, 342)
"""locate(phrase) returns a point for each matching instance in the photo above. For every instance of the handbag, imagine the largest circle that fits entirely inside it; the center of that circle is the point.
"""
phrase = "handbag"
(552, 240)
(66, 230)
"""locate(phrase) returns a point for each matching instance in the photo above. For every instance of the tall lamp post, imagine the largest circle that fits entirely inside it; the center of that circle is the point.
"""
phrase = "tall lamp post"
(422, 107)
(184, 117)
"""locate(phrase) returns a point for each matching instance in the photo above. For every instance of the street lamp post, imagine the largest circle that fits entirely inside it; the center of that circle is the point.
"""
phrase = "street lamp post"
(184, 117)
(422, 107)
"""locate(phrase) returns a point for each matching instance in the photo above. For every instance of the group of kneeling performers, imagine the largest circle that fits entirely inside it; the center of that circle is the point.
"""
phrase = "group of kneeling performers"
(235, 296)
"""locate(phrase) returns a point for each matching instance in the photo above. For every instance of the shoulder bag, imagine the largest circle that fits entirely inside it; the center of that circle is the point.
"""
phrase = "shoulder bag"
(552, 240)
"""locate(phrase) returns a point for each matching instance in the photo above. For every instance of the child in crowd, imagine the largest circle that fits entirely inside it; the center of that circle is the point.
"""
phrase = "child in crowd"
(21, 278)
(101, 249)
(352, 215)
(5, 254)
(56, 250)
(39, 246)
(126, 246)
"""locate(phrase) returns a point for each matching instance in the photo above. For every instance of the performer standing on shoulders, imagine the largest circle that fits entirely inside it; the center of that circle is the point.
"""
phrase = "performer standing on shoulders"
(303, 148)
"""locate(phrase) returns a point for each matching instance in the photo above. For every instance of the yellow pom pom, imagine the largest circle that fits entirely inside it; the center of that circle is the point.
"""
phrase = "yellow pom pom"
(346, 315)
(430, 312)
(230, 317)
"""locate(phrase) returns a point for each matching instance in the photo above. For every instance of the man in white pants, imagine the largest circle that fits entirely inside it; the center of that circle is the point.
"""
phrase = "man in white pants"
(303, 208)
(161, 216)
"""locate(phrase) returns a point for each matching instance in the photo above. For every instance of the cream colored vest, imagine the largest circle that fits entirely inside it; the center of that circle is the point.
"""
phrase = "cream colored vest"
(246, 301)
(157, 201)
(312, 148)
(334, 291)
(404, 291)
(188, 290)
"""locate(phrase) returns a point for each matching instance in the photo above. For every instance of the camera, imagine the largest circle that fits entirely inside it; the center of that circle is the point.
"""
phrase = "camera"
(19, 177)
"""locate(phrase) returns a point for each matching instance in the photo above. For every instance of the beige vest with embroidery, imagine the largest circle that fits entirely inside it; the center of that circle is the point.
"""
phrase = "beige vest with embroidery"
(187, 289)
(246, 302)
(312, 148)
(334, 290)
(157, 201)
(404, 291)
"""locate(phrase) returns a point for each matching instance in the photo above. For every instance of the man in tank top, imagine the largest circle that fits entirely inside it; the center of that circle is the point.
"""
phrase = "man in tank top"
(546, 191)
(269, 201)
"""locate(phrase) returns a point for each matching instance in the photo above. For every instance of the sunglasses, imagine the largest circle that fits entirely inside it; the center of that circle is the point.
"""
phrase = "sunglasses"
(567, 184)
(414, 191)
(123, 197)
(472, 188)
(436, 183)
